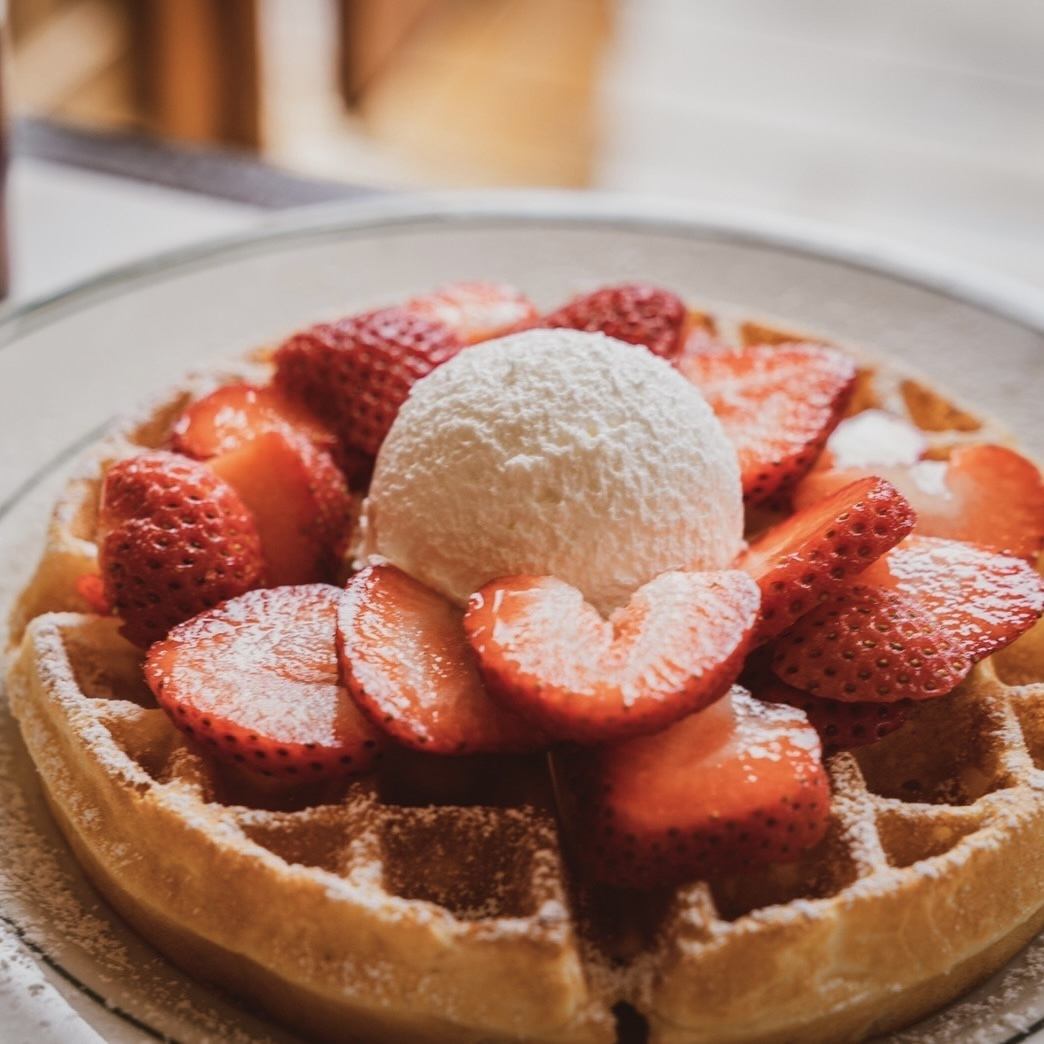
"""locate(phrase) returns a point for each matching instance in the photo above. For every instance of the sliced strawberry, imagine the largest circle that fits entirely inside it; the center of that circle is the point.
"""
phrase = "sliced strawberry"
(982, 599)
(824, 482)
(634, 312)
(841, 726)
(870, 644)
(255, 681)
(778, 405)
(236, 413)
(676, 647)
(737, 785)
(477, 311)
(873, 439)
(988, 495)
(174, 539)
(91, 588)
(300, 501)
(405, 661)
(356, 373)
(800, 561)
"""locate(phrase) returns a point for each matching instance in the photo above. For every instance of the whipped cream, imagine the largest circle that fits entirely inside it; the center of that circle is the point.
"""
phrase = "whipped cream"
(554, 452)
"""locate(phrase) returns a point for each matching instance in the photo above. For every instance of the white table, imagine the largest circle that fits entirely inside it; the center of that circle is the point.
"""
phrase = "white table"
(67, 224)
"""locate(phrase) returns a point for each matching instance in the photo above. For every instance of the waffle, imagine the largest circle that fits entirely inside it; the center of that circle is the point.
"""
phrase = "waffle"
(405, 908)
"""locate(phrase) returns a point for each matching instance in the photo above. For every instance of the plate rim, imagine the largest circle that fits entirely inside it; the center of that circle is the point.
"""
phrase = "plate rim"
(1005, 296)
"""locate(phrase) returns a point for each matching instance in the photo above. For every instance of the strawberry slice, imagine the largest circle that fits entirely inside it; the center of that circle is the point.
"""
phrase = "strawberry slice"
(737, 785)
(873, 439)
(824, 482)
(841, 726)
(547, 654)
(870, 644)
(173, 539)
(803, 559)
(356, 373)
(255, 681)
(236, 413)
(986, 494)
(406, 662)
(477, 311)
(778, 405)
(982, 599)
(299, 500)
(91, 588)
(638, 313)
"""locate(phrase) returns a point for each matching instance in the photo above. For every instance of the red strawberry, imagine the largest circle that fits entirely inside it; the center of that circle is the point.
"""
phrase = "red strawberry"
(777, 405)
(870, 644)
(174, 539)
(737, 785)
(988, 495)
(477, 311)
(299, 500)
(91, 588)
(982, 599)
(841, 726)
(634, 312)
(406, 662)
(800, 561)
(236, 413)
(873, 439)
(676, 647)
(824, 482)
(255, 680)
(356, 373)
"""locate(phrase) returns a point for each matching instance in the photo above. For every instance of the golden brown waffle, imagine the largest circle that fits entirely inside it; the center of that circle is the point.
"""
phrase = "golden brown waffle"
(396, 908)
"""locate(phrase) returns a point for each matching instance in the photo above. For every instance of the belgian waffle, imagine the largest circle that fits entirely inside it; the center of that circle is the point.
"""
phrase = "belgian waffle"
(384, 910)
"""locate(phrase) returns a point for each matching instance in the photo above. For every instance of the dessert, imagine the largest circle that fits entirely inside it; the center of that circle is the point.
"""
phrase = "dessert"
(622, 467)
(554, 750)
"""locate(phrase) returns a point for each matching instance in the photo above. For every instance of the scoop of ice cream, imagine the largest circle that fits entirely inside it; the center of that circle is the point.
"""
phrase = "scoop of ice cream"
(554, 452)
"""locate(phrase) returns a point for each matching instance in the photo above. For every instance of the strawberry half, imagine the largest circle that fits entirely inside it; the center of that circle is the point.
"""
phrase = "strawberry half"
(236, 413)
(870, 644)
(547, 654)
(803, 559)
(407, 665)
(174, 539)
(841, 726)
(737, 785)
(778, 405)
(356, 373)
(982, 599)
(255, 681)
(638, 313)
(299, 500)
(987, 495)
(477, 311)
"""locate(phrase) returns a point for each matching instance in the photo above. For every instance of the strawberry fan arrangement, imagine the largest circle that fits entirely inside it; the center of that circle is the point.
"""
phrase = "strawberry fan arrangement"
(884, 579)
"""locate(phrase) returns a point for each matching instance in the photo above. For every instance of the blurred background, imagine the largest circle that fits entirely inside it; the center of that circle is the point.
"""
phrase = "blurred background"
(140, 124)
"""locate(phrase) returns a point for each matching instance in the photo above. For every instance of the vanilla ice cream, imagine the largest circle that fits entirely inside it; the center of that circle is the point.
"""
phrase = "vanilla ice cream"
(554, 452)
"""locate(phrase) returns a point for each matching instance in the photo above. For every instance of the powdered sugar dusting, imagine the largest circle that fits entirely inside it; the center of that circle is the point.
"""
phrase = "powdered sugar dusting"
(41, 891)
